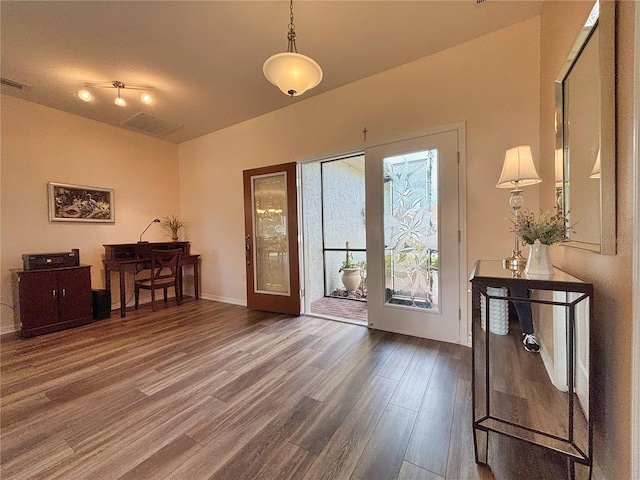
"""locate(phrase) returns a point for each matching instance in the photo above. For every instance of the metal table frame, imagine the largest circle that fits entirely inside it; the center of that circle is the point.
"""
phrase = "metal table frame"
(492, 274)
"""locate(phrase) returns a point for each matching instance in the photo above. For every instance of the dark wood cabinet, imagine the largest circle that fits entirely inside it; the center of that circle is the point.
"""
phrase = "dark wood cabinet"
(52, 299)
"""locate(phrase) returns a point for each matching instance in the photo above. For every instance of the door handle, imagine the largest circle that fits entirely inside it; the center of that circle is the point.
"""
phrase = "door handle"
(64, 293)
(247, 249)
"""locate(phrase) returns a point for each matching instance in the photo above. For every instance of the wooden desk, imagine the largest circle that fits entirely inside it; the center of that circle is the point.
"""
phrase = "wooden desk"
(135, 257)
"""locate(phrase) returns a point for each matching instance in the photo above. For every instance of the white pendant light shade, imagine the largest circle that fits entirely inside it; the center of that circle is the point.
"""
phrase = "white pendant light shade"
(119, 101)
(518, 169)
(293, 73)
(146, 98)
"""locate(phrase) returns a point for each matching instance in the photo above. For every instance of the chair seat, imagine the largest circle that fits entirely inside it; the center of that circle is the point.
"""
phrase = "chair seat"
(159, 282)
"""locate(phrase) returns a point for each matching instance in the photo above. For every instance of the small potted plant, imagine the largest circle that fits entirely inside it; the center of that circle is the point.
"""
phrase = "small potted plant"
(172, 224)
(351, 277)
(539, 234)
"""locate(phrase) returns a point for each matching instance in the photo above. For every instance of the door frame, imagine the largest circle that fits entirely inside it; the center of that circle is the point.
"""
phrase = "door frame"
(464, 336)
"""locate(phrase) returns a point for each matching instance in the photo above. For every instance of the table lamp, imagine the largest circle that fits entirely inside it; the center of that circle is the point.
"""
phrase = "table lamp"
(518, 171)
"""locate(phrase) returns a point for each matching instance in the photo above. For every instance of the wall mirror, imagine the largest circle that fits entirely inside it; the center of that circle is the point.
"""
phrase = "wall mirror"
(585, 134)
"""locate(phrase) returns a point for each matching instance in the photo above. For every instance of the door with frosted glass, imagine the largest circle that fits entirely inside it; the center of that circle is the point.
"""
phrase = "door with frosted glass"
(412, 237)
(271, 239)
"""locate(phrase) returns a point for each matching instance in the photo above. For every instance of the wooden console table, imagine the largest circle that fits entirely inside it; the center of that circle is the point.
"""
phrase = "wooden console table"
(135, 257)
(541, 399)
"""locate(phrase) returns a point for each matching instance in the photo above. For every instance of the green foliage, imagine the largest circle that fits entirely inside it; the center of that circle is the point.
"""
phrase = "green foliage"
(173, 224)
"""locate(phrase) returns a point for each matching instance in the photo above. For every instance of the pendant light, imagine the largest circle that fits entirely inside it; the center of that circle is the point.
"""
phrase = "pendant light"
(292, 72)
(119, 100)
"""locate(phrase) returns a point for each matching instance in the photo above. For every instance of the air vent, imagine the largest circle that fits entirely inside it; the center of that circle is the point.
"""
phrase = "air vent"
(150, 125)
(13, 84)
(478, 2)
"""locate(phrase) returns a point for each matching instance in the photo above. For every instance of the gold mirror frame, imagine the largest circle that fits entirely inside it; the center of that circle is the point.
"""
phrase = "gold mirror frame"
(602, 18)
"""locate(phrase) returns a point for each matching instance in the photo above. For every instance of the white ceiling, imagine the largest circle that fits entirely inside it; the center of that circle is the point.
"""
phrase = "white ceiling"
(204, 59)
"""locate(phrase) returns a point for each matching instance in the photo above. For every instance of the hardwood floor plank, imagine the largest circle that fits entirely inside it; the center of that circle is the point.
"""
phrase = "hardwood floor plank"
(316, 432)
(414, 383)
(374, 342)
(383, 457)
(409, 471)
(135, 397)
(164, 461)
(429, 445)
(38, 458)
(290, 462)
(263, 448)
(400, 358)
(339, 457)
(461, 462)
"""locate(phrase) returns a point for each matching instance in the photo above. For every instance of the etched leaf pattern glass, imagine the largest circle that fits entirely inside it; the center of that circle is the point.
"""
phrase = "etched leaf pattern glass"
(411, 229)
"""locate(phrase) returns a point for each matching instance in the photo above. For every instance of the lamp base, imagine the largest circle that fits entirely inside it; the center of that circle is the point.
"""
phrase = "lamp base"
(515, 262)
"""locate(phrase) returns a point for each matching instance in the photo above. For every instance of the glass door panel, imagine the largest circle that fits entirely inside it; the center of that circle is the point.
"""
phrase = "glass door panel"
(411, 229)
(271, 253)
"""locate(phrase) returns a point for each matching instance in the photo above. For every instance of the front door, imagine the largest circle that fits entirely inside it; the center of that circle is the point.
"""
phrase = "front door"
(271, 239)
(413, 257)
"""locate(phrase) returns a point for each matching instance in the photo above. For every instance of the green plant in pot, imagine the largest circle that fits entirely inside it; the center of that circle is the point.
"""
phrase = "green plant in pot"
(173, 224)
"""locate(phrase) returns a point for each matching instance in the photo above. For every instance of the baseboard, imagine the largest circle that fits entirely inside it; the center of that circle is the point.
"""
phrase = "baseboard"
(233, 301)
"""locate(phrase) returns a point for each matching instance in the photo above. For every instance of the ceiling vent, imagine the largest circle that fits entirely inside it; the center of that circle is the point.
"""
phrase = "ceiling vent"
(150, 125)
(6, 82)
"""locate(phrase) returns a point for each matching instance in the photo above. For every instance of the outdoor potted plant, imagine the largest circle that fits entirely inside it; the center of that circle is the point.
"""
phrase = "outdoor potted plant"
(539, 234)
(173, 224)
(351, 277)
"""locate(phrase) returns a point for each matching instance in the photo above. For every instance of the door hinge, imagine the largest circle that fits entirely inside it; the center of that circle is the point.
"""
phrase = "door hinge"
(301, 293)
(459, 314)
(459, 236)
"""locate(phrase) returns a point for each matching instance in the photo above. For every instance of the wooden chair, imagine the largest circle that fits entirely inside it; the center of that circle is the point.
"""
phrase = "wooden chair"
(165, 273)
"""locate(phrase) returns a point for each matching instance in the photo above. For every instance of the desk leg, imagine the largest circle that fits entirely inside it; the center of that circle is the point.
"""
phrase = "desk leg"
(123, 300)
(196, 279)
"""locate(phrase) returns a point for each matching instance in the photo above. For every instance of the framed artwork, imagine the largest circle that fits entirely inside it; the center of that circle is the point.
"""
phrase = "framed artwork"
(75, 203)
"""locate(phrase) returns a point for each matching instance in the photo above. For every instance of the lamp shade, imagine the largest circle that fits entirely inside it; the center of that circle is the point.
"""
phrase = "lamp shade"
(595, 171)
(559, 170)
(293, 73)
(518, 169)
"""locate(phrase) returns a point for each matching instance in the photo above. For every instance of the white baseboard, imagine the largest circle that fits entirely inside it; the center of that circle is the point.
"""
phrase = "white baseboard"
(233, 301)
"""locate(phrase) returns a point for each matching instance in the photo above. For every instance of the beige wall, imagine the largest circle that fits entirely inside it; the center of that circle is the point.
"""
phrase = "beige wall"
(611, 275)
(41, 145)
(491, 83)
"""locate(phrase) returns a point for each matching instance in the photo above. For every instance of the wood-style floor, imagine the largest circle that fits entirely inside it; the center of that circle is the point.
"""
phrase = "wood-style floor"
(211, 390)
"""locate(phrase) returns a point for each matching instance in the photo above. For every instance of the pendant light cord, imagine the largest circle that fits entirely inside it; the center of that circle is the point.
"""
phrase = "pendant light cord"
(291, 36)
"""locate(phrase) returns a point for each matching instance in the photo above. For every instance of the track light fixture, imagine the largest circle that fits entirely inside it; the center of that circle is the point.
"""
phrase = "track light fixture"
(86, 96)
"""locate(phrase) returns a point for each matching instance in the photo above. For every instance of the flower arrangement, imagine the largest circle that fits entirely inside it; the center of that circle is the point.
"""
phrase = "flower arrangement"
(173, 224)
(549, 229)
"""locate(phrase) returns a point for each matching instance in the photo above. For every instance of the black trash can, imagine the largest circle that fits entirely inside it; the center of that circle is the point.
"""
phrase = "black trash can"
(101, 304)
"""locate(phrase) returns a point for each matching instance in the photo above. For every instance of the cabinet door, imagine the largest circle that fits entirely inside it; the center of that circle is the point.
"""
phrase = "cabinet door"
(38, 299)
(74, 288)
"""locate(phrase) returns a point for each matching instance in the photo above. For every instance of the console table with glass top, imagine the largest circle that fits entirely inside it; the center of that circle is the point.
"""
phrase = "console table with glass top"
(541, 399)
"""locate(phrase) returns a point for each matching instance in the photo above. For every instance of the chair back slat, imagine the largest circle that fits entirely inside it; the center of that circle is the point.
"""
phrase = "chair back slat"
(162, 260)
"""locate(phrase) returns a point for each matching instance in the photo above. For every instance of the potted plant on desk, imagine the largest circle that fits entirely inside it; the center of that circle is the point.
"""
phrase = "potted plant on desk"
(172, 224)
